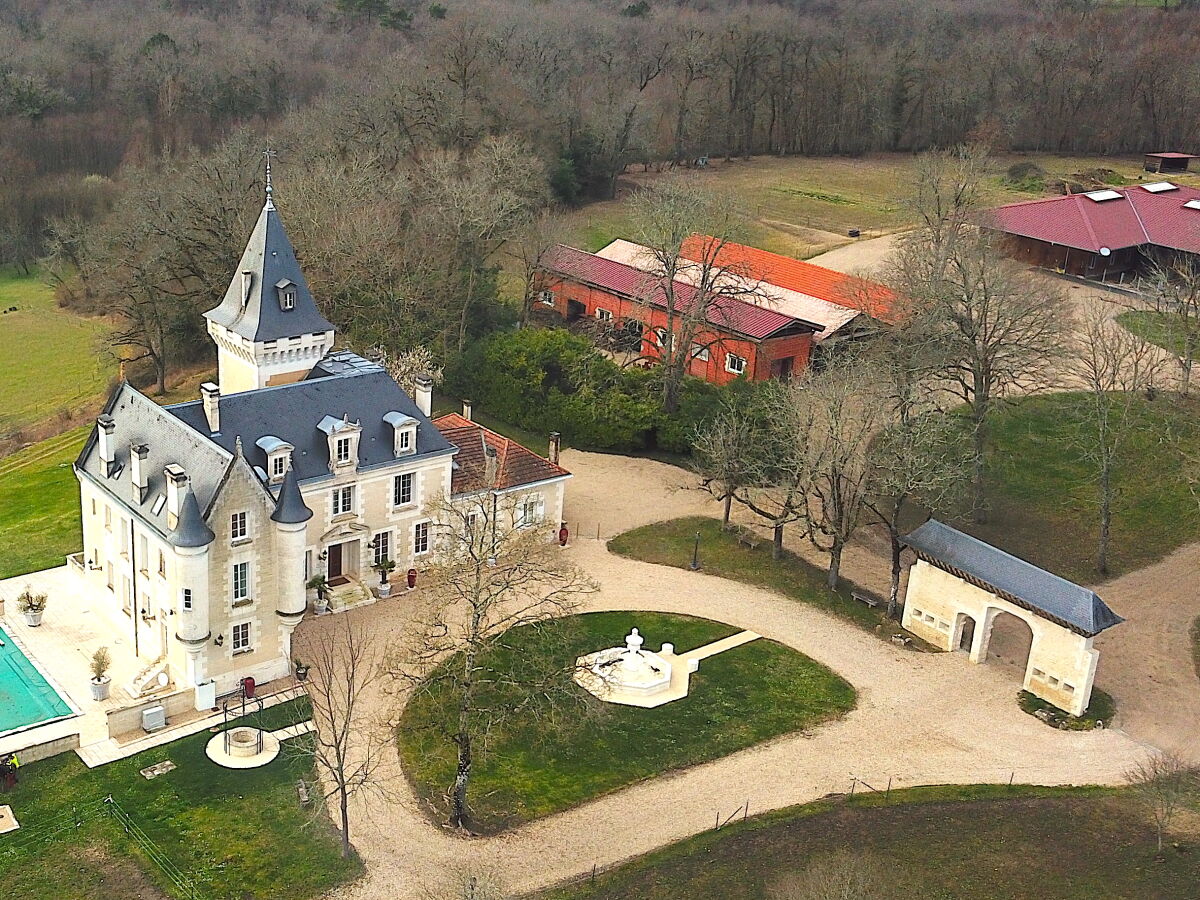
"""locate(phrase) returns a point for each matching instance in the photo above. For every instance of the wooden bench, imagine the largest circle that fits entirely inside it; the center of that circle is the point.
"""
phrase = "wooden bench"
(749, 539)
(865, 598)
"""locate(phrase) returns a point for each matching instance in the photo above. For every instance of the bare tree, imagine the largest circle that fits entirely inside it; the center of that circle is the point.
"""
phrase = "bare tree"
(725, 449)
(494, 571)
(471, 883)
(348, 746)
(527, 248)
(406, 366)
(1162, 783)
(1174, 292)
(686, 228)
(840, 876)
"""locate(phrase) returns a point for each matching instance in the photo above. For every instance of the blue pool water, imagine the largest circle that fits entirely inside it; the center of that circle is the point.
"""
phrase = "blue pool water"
(26, 698)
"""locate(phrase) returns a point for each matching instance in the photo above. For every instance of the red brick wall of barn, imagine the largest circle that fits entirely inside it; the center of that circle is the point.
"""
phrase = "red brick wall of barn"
(759, 356)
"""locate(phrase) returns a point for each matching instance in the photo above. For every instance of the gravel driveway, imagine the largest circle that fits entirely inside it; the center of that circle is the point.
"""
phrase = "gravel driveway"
(920, 719)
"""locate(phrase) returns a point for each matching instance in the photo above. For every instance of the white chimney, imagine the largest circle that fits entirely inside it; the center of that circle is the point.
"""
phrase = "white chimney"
(555, 446)
(467, 410)
(491, 467)
(137, 469)
(210, 396)
(424, 395)
(176, 484)
(105, 426)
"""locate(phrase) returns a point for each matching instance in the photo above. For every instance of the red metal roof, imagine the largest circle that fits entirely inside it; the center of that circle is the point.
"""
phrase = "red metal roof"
(725, 312)
(870, 297)
(1134, 218)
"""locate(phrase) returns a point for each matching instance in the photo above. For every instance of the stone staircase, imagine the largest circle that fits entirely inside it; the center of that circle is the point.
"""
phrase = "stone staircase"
(348, 595)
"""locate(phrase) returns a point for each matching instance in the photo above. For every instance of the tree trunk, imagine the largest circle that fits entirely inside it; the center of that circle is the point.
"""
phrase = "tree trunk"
(1105, 518)
(345, 805)
(978, 448)
(777, 543)
(160, 373)
(835, 566)
(1185, 377)
(728, 510)
(462, 776)
(893, 606)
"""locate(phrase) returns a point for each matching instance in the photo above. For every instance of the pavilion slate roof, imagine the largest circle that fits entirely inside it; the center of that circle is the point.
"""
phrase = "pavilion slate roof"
(1135, 218)
(725, 312)
(1037, 590)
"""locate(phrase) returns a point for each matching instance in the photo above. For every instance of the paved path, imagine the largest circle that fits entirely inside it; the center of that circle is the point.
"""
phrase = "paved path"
(920, 719)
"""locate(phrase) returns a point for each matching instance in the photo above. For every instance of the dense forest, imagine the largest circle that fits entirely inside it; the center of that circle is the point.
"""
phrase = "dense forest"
(432, 134)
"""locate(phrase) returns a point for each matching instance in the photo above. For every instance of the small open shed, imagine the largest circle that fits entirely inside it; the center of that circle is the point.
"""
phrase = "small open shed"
(1168, 162)
(964, 594)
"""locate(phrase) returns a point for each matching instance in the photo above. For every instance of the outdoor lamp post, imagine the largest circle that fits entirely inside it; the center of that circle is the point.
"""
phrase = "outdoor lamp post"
(695, 564)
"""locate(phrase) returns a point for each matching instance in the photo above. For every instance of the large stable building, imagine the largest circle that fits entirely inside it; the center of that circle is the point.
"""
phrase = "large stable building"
(1110, 234)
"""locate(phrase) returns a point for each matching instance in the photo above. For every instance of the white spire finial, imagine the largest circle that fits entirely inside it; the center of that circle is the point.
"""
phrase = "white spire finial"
(267, 154)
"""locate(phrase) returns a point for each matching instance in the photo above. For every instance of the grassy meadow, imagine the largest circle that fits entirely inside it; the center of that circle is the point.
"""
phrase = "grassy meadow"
(51, 360)
(738, 698)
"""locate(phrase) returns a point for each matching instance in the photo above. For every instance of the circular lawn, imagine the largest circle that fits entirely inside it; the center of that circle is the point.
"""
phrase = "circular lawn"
(527, 769)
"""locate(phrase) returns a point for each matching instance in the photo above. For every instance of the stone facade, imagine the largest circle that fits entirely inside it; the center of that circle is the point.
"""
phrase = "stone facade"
(952, 614)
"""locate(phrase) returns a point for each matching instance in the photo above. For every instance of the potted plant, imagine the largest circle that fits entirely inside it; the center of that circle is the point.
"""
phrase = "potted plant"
(320, 584)
(301, 670)
(101, 660)
(32, 605)
(384, 567)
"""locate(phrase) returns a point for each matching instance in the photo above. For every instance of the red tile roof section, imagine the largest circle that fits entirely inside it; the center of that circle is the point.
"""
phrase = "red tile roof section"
(724, 312)
(870, 297)
(516, 465)
(1138, 217)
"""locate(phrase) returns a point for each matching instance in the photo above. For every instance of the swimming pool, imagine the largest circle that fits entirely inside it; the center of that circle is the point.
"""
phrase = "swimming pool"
(26, 697)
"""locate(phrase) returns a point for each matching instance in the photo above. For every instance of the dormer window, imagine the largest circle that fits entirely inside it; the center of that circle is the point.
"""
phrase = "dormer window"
(343, 442)
(279, 455)
(343, 451)
(286, 289)
(404, 433)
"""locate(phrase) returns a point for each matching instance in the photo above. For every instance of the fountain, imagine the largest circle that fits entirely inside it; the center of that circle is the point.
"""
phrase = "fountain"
(629, 674)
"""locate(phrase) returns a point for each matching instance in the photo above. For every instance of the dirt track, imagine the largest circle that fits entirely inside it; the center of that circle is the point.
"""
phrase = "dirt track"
(921, 718)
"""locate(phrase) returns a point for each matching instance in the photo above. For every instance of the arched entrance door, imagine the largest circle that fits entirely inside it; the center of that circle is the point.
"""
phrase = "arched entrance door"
(1010, 642)
(966, 633)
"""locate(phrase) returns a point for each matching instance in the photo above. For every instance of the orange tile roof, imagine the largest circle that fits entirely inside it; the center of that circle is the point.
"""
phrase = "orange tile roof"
(516, 465)
(876, 300)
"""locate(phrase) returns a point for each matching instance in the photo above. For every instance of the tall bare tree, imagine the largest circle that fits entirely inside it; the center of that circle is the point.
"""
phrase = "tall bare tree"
(693, 284)
(1162, 783)
(349, 745)
(1174, 294)
(1115, 368)
(494, 570)
(725, 450)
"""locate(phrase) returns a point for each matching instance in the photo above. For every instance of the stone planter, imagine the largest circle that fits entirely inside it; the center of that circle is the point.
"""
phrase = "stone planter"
(33, 617)
(100, 688)
(385, 589)
(321, 605)
(302, 673)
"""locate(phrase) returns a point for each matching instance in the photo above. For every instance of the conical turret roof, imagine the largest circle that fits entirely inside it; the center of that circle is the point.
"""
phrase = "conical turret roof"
(290, 508)
(191, 530)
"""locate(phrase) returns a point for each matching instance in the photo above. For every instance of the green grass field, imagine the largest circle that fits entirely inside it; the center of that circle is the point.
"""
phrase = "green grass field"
(1155, 328)
(737, 699)
(1044, 499)
(802, 206)
(237, 833)
(39, 505)
(941, 843)
(50, 359)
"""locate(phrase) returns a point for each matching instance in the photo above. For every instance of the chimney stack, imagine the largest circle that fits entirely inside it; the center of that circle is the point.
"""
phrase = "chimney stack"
(137, 469)
(176, 484)
(467, 410)
(210, 396)
(555, 446)
(424, 395)
(491, 466)
(105, 426)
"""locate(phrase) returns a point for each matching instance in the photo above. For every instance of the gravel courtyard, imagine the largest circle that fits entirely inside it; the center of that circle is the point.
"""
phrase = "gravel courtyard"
(921, 718)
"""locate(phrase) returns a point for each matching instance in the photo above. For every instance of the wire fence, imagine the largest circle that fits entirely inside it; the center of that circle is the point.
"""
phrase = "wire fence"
(69, 821)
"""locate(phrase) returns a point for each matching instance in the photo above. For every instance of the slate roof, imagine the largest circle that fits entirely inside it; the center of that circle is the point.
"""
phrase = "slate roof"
(191, 530)
(363, 392)
(1013, 578)
(290, 508)
(727, 313)
(272, 260)
(139, 420)
(516, 464)
(1135, 218)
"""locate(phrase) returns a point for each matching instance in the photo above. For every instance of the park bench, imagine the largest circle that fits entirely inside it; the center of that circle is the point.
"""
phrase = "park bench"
(865, 598)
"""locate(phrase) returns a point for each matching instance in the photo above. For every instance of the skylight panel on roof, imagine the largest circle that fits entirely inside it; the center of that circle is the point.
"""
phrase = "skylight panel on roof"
(1101, 196)
(1159, 187)
(1192, 204)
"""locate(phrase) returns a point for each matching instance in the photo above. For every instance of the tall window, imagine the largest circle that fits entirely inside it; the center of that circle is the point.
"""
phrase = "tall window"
(421, 537)
(187, 598)
(108, 517)
(241, 580)
(343, 500)
(279, 466)
(237, 526)
(531, 511)
(383, 547)
(405, 439)
(342, 453)
(402, 492)
(241, 637)
(162, 565)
